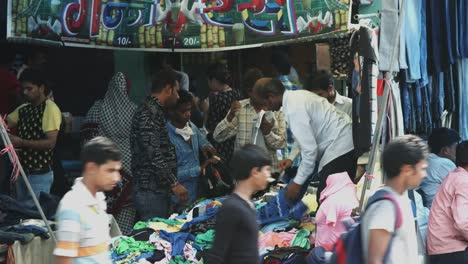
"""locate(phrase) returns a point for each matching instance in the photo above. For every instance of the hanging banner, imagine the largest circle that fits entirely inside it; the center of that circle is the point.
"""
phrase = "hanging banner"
(187, 25)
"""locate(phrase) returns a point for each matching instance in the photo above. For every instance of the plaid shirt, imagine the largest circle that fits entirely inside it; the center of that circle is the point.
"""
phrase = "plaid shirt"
(242, 126)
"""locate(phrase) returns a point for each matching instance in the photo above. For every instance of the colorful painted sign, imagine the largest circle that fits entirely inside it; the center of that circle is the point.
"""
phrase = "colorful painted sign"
(174, 24)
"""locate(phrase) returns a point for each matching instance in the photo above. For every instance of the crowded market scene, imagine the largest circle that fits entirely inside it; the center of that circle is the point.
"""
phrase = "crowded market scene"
(233, 131)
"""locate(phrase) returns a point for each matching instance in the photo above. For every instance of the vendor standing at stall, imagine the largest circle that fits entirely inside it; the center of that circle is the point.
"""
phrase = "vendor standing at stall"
(324, 134)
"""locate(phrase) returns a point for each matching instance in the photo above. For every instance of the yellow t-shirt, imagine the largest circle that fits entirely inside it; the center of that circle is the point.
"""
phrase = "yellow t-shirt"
(51, 119)
(33, 124)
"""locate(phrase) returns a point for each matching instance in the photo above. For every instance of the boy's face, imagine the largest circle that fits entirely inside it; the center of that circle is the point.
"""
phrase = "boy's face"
(107, 175)
(261, 176)
(182, 113)
(415, 174)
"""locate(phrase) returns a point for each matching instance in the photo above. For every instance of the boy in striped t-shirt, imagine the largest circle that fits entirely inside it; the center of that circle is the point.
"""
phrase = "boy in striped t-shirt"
(83, 224)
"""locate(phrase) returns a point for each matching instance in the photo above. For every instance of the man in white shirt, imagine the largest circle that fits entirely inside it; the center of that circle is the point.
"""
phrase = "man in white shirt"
(322, 84)
(324, 134)
(404, 163)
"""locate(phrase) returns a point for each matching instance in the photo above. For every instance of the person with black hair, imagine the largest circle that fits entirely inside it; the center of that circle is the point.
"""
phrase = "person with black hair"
(323, 134)
(38, 123)
(236, 230)
(404, 165)
(221, 99)
(447, 237)
(282, 68)
(322, 84)
(443, 144)
(83, 224)
(189, 142)
(244, 124)
(154, 161)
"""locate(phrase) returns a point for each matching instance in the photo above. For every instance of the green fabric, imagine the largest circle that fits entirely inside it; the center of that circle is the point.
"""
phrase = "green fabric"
(140, 225)
(179, 260)
(129, 245)
(301, 239)
(205, 241)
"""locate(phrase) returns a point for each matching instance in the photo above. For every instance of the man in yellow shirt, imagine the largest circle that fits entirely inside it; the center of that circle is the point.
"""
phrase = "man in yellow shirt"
(38, 123)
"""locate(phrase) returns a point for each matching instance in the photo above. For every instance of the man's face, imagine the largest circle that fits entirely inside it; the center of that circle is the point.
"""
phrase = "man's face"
(183, 113)
(261, 177)
(450, 152)
(172, 94)
(273, 103)
(32, 92)
(415, 174)
(327, 94)
(107, 176)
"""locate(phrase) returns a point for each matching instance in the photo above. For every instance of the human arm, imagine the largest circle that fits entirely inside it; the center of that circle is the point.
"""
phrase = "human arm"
(68, 236)
(379, 221)
(43, 144)
(63, 260)
(226, 129)
(459, 208)
(276, 137)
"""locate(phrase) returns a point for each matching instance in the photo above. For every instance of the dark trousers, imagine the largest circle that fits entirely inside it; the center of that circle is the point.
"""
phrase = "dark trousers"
(151, 204)
(345, 163)
(460, 257)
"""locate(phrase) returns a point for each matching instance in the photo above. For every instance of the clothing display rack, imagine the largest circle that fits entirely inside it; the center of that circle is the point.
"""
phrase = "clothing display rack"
(381, 118)
(9, 148)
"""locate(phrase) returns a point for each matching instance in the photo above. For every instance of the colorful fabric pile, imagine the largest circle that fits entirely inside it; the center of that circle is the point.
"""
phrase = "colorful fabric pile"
(184, 238)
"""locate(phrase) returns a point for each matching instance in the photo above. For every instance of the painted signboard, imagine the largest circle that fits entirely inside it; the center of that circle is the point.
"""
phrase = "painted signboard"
(174, 24)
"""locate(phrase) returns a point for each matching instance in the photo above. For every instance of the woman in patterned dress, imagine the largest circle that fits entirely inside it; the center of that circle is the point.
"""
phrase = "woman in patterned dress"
(219, 102)
(112, 116)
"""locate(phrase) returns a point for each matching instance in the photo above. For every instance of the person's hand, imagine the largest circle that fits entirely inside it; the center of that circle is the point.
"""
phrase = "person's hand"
(212, 160)
(181, 193)
(15, 141)
(284, 164)
(235, 107)
(266, 126)
(292, 191)
(209, 150)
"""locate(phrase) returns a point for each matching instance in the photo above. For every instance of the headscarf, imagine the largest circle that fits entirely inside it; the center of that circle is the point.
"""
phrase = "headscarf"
(116, 115)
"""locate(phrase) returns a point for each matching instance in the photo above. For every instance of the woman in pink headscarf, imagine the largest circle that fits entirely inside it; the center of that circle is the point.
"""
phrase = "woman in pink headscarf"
(337, 202)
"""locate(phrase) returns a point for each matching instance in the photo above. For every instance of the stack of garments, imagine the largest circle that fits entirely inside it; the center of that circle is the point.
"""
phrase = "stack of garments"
(184, 238)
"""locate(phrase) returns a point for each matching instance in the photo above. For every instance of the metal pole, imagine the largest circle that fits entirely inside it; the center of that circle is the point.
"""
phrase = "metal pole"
(7, 141)
(378, 129)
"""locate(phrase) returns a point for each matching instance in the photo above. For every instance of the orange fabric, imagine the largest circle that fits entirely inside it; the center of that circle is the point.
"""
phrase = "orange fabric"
(90, 251)
(68, 245)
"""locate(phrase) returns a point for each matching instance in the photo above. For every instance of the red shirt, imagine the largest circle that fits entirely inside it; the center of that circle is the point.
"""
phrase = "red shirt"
(9, 88)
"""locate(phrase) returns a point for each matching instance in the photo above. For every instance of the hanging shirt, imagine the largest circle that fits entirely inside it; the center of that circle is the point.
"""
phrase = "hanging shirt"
(322, 132)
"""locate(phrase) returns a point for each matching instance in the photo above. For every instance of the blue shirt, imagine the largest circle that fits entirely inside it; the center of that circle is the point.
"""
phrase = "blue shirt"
(290, 86)
(188, 156)
(437, 170)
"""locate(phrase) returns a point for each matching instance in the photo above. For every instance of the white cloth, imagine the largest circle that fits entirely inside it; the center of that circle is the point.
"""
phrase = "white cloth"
(344, 104)
(382, 215)
(186, 133)
(322, 132)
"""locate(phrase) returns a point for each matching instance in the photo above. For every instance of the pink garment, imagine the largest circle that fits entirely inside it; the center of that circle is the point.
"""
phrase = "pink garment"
(448, 221)
(272, 239)
(338, 200)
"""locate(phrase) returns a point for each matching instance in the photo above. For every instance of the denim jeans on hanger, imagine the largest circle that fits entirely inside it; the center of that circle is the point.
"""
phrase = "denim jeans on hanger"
(405, 99)
(448, 30)
(413, 38)
(423, 45)
(463, 98)
(419, 107)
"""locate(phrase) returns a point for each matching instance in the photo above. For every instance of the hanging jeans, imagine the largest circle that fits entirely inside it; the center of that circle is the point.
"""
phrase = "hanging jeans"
(423, 45)
(463, 98)
(413, 38)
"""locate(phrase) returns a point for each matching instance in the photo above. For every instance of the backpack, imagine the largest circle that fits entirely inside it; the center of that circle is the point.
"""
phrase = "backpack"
(289, 255)
(217, 180)
(348, 248)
